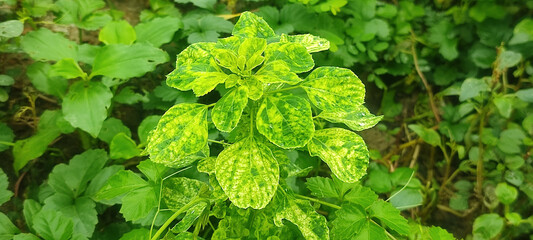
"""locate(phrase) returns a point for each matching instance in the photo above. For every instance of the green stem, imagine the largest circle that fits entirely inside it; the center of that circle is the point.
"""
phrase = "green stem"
(386, 232)
(219, 142)
(318, 201)
(7, 143)
(174, 216)
(479, 167)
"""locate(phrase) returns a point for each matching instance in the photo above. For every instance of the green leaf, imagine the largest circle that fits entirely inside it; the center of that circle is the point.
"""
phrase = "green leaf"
(6, 80)
(112, 127)
(72, 179)
(122, 182)
(138, 203)
(344, 151)
(334, 89)
(136, 234)
(53, 225)
(322, 187)
(251, 49)
(182, 131)
(117, 32)
(31, 208)
(83, 13)
(248, 173)
(6, 135)
(157, 31)
(427, 134)
(11, 28)
(38, 73)
(5, 194)
(362, 196)
(504, 105)
(33, 147)
(276, 72)
(286, 120)
(293, 54)
(509, 59)
(488, 226)
(253, 86)
(506, 193)
(101, 179)
(349, 222)
(85, 106)
(123, 147)
(251, 25)
(310, 42)
(228, 110)
(127, 61)
(67, 68)
(389, 216)
(525, 95)
(179, 191)
(81, 211)
(208, 4)
(191, 216)
(25, 236)
(357, 119)
(471, 88)
(148, 124)
(511, 140)
(45, 45)
(7, 229)
(300, 212)
(406, 198)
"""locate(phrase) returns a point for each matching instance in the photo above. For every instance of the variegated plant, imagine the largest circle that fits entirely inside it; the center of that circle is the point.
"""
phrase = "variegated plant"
(265, 112)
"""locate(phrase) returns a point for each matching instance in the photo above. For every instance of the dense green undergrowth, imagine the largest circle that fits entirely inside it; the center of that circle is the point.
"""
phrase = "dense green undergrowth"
(255, 130)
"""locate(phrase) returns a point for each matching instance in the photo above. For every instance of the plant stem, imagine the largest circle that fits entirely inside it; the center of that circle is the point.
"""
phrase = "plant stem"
(7, 143)
(174, 216)
(318, 201)
(219, 142)
(479, 166)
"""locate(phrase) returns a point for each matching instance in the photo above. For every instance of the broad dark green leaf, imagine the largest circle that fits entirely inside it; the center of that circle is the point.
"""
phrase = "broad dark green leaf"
(7, 229)
(117, 32)
(506, 193)
(81, 211)
(38, 73)
(344, 151)
(83, 13)
(322, 187)
(53, 225)
(111, 127)
(285, 120)
(127, 61)
(11, 28)
(43, 44)
(31, 208)
(147, 125)
(25, 236)
(153, 171)
(334, 89)
(300, 212)
(357, 119)
(360, 195)
(228, 110)
(158, 31)
(248, 173)
(138, 203)
(310, 42)
(471, 88)
(276, 72)
(350, 222)
(136, 234)
(85, 105)
(123, 147)
(390, 216)
(182, 131)
(525, 95)
(293, 54)
(251, 25)
(72, 179)
(427, 134)
(488, 226)
(5, 194)
(119, 184)
(101, 179)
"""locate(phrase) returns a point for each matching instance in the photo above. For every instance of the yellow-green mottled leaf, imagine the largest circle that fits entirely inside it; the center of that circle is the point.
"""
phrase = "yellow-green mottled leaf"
(230, 43)
(228, 110)
(358, 119)
(334, 89)
(251, 49)
(248, 173)
(207, 165)
(253, 86)
(191, 216)
(300, 212)
(196, 69)
(182, 131)
(227, 59)
(276, 72)
(251, 25)
(286, 120)
(344, 151)
(310, 42)
(179, 191)
(294, 54)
